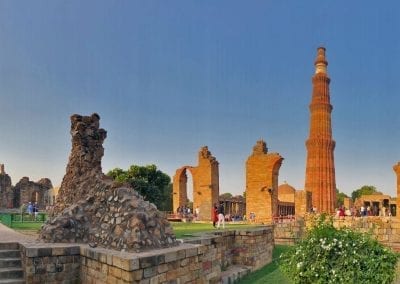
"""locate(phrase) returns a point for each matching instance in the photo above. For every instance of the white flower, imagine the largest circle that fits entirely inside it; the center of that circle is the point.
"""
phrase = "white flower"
(300, 264)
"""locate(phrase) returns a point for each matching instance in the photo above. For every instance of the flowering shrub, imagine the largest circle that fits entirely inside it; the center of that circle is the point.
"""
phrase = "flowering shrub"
(330, 255)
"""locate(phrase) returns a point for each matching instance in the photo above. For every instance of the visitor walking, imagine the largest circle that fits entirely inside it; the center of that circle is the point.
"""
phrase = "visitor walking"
(35, 210)
(214, 214)
(221, 216)
(197, 213)
(30, 209)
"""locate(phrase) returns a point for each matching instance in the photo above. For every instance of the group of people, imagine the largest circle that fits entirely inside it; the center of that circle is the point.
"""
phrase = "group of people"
(363, 211)
(32, 209)
(186, 212)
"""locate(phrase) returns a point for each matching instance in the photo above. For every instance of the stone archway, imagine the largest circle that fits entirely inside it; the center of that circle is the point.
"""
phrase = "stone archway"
(205, 184)
(262, 171)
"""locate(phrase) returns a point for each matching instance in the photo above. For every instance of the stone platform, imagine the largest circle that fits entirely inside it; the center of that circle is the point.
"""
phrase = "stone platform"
(205, 259)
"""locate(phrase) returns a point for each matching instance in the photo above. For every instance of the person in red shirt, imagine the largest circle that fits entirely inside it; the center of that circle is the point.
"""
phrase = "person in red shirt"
(214, 214)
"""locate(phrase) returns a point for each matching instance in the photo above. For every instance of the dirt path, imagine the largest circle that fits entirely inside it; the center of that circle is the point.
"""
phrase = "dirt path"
(9, 235)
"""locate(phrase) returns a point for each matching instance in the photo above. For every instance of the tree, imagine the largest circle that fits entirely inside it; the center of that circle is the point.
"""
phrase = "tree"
(364, 190)
(154, 185)
(340, 196)
(226, 195)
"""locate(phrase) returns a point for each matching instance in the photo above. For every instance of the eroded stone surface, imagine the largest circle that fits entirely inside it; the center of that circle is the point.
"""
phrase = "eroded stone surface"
(92, 208)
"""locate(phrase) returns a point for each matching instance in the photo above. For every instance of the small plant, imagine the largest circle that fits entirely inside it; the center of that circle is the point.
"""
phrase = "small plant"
(330, 255)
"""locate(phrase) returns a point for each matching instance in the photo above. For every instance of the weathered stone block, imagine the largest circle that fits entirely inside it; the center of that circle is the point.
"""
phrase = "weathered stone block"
(149, 272)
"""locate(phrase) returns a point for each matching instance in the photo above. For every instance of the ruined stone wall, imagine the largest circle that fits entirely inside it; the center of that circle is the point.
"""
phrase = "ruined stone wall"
(303, 202)
(29, 191)
(84, 170)
(6, 192)
(205, 184)
(262, 170)
(23, 192)
(94, 209)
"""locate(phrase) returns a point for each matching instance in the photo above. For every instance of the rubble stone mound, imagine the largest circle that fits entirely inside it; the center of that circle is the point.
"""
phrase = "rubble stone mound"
(92, 208)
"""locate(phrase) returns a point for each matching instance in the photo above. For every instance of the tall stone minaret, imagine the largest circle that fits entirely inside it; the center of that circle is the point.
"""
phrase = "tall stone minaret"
(320, 168)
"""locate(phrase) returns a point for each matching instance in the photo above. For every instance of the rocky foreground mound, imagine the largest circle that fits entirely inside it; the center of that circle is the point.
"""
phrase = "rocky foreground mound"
(92, 208)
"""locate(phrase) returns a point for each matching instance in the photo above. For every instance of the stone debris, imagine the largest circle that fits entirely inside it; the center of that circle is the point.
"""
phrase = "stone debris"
(92, 208)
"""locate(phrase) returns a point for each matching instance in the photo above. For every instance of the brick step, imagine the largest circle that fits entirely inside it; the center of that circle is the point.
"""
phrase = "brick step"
(12, 281)
(11, 273)
(10, 262)
(10, 254)
(9, 246)
(233, 273)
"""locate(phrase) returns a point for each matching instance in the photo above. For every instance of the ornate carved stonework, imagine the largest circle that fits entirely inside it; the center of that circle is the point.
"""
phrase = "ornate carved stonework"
(320, 168)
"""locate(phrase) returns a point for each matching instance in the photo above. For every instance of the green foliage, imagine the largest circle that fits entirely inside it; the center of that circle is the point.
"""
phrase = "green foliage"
(340, 196)
(330, 255)
(154, 185)
(226, 195)
(364, 190)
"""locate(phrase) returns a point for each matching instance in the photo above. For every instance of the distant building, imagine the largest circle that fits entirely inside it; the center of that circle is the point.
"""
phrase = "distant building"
(235, 206)
(379, 204)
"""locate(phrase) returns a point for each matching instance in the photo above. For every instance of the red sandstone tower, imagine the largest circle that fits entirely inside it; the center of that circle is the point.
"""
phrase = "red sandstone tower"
(320, 168)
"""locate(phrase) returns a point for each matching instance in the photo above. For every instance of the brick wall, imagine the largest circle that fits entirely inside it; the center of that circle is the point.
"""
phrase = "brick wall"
(51, 263)
(384, 229)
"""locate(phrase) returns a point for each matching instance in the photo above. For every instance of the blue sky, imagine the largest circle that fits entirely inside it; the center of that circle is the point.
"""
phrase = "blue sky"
(168, 77)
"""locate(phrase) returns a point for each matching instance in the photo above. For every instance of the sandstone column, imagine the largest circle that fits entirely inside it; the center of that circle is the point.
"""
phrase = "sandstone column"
(320, 168)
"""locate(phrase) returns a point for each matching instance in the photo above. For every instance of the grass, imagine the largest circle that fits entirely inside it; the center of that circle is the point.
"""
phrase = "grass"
(186, 229)
(269, 273)
(33, 226)
(181, 229)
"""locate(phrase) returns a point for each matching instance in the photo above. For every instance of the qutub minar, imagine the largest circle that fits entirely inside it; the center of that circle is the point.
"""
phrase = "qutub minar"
(320, 168)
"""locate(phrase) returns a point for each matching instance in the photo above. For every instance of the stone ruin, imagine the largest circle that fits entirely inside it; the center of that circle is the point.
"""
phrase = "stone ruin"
(205, 184)
(23, 192)
(92, 208)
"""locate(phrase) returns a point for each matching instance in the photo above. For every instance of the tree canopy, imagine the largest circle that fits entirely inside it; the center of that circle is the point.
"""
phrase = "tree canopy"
(340, 196)
(226, 195)
(154, 185)
(364, 190)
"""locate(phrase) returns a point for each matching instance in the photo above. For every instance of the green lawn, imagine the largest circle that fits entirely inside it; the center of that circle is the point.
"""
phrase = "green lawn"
(183, 230)
(34, 226)
(269, 273)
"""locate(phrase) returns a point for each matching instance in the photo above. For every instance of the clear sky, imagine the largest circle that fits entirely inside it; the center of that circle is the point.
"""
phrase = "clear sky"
(167, 77)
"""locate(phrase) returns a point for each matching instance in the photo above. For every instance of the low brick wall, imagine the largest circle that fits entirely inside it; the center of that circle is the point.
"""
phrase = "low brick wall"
(288, 232)
(197, 260)
(55, 263)
(385, 229)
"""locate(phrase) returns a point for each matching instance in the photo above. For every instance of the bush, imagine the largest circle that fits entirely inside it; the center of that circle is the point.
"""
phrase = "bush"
(330, 255)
